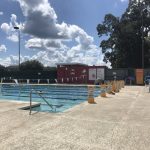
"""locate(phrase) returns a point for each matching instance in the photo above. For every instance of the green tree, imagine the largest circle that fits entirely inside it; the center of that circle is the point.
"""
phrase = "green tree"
(33, 65)
(2, 68)
(123, 45)
(2, 71)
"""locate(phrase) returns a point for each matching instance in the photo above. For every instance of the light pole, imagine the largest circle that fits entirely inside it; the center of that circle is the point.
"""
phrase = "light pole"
(140, 4)
(17, 28)
(142, 42)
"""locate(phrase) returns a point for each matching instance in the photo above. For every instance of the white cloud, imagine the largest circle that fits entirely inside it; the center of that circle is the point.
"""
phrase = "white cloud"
(14, 20)
(3, 48)
(1, 13)
(10, 60)
(55, 42)
(40, 18)
(49, 36)
(13, 60)
(13, 37)
(45, 44)
(34, 43)
(124, 0)
(5, 27)
(51, 59)
(41, 22)
(9, 28)
(6, 61)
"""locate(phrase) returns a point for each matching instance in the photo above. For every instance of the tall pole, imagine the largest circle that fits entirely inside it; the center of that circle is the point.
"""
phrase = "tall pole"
(17, 28)
(141, 11)
(142, 42)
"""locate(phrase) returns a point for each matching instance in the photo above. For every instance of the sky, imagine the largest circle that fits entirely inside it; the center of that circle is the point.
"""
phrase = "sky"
(54, 31)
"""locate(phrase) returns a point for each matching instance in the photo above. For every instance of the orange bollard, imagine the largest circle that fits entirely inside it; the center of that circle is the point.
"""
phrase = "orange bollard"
(117, 86)
(91, 95)
(111, 91)
(103, 91)
(113, 87)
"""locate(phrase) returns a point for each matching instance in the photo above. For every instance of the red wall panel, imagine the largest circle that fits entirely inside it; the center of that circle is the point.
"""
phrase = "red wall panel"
(74, 74)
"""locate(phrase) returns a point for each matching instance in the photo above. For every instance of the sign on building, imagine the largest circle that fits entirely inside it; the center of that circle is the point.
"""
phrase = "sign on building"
(96, 73)
(100, 73)
(92, 74)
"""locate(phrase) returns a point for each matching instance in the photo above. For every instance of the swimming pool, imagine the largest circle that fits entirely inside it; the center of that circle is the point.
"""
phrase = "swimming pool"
(65, 96)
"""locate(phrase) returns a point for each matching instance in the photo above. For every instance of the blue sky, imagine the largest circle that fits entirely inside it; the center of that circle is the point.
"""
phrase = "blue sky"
(54, 31)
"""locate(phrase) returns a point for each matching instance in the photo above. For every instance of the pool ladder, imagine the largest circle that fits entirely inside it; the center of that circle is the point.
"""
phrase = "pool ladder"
(53, 107)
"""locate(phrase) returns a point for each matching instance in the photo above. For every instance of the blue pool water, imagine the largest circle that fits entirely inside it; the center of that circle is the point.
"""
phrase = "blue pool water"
(62, 96)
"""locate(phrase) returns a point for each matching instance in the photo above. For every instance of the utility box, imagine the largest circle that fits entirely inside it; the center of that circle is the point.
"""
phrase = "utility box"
(139, 76)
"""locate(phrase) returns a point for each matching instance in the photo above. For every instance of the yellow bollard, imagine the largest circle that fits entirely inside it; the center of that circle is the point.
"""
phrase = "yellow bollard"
(103, 94)
(117, 86)
(120, 83)
(91, 100)
(91, 95)
(109, 88)
(114, 86)
(103, 90)
(123, 82)
(111, 91)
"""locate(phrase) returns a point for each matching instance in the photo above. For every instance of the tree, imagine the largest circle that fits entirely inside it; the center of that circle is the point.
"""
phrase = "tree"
(2, 68)
(2, 71)
(33, 65)
(123, 47)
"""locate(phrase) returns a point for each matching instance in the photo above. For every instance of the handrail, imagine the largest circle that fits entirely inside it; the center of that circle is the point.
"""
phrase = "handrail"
(39, 93)
(1, 89)
(148, 86)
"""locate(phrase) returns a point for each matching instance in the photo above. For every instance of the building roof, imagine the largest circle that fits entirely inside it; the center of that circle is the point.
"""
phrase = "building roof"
(72, 64)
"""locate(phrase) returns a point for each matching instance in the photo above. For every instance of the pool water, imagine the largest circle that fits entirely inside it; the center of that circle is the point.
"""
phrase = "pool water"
(62, 96)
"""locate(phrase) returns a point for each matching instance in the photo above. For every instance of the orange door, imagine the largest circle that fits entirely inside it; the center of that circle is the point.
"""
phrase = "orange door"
(139, 76)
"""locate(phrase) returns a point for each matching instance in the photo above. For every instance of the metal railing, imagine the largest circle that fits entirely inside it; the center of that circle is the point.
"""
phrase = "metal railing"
(147, 85)
(53, 107)
(0, 89)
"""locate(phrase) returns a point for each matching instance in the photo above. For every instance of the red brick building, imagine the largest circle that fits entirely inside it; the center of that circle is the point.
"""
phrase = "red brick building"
(76, 73)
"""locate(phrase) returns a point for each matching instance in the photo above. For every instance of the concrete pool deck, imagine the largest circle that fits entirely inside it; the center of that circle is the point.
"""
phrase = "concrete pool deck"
(118, 122)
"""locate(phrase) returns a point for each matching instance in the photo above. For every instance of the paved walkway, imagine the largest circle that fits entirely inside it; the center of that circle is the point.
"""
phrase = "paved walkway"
(119, 122)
